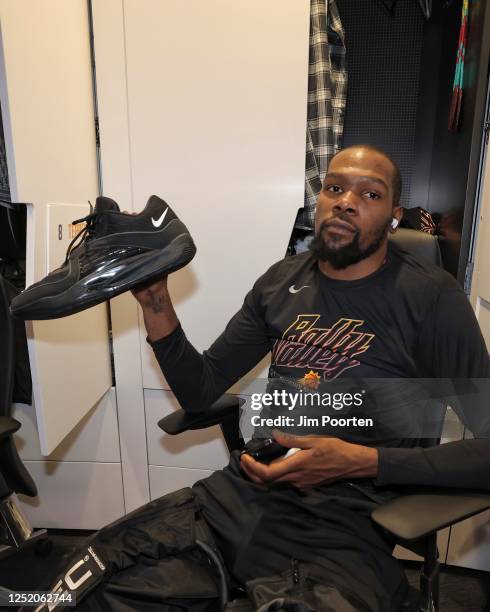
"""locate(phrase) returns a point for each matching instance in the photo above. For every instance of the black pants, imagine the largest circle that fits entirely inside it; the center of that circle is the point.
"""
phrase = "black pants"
(328, 532)
(285, 550)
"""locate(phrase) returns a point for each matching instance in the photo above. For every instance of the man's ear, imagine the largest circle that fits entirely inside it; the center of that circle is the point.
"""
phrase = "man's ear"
(397, 217)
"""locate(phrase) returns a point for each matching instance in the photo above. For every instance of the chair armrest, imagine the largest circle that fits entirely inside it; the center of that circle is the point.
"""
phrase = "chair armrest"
(412, 517)
(8, 426)
(180, 421)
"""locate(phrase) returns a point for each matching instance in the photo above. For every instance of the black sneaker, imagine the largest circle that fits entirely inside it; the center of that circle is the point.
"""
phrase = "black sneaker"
(115, 252)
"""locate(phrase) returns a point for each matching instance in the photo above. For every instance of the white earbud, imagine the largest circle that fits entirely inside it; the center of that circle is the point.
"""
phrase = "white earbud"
(394, 224)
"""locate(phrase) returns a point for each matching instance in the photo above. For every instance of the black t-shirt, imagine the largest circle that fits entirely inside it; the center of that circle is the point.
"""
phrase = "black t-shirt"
(408, 320)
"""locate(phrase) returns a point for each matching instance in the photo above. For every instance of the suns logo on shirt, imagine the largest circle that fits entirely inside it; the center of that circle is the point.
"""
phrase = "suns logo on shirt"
(311, 379)
(328, 350)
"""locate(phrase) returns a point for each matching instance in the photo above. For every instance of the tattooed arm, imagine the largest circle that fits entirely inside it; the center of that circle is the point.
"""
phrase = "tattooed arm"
(158, 311)
(198, 379)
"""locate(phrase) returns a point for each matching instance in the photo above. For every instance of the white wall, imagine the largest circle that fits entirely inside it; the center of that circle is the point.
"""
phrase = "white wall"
(49, 116)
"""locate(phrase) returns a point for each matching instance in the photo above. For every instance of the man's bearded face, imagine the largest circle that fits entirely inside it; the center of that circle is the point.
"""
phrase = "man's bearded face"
(339, 253)
(354, 208)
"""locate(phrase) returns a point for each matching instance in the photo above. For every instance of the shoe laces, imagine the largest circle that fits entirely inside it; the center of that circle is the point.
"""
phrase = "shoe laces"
(86, 233)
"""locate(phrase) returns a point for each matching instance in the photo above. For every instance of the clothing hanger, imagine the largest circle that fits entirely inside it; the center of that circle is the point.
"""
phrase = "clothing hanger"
(426, 6)
(7, 204)
(389, 6)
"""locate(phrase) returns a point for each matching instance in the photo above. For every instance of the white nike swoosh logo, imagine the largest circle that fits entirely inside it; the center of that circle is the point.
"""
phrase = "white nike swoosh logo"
(159, 221)
(293, 290)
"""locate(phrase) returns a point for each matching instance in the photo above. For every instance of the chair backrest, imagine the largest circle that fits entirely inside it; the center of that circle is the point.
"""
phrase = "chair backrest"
(426, 246)
(11, 467)
(418, 243)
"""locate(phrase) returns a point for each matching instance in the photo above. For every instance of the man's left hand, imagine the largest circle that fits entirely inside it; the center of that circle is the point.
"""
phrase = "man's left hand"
(320, 460)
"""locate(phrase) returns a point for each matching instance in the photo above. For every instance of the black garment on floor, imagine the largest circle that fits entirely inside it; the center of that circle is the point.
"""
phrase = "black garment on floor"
(147, 561)
(290, 551)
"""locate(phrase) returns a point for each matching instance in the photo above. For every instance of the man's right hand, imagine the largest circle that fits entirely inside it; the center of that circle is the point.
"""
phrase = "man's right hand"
(158, 311)
(149, 293)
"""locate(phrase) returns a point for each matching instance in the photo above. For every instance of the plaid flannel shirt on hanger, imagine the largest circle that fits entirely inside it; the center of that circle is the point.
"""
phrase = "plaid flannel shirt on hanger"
(327, 87)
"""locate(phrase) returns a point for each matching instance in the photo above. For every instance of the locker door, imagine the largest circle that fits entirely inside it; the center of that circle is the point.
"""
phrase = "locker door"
(69, 357)
(48, 120)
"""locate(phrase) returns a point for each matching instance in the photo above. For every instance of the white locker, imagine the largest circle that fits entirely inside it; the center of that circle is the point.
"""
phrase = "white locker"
(52, 160)
(48, 120)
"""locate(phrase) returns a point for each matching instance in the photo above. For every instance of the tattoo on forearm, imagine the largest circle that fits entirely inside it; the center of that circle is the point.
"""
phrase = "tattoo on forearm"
(157, 301)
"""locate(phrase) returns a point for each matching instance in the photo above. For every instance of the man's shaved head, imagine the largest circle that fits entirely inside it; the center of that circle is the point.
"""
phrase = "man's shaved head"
(355, 210)
(397, 177)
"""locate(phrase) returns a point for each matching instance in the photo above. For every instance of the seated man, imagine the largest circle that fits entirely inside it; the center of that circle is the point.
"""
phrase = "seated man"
(298, 532)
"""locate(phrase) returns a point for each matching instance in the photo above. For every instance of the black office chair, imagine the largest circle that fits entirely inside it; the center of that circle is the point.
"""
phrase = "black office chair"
(413, 519)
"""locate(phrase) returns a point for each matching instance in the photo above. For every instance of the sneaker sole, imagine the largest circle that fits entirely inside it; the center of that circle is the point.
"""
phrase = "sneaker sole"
(84, 294)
